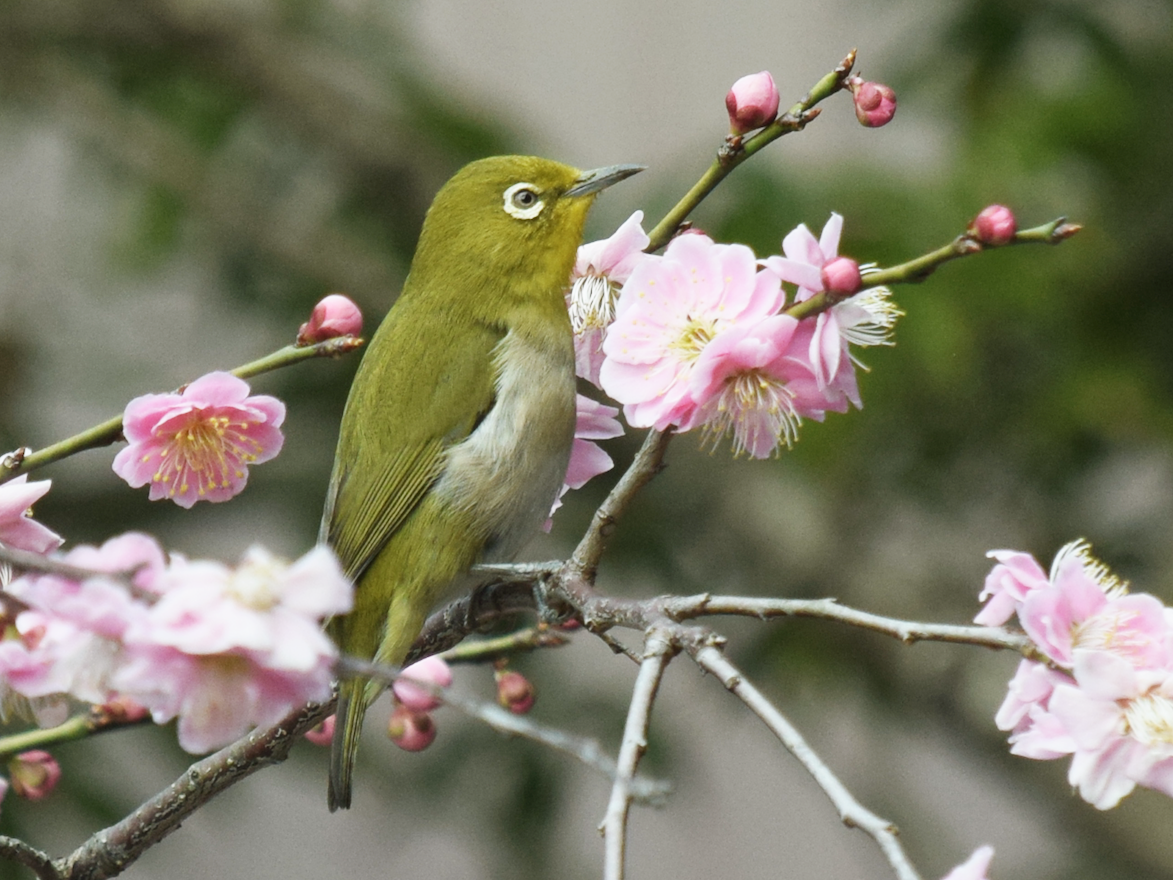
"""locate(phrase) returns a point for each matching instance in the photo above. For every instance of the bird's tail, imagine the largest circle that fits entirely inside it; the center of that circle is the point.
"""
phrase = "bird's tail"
(352, 706)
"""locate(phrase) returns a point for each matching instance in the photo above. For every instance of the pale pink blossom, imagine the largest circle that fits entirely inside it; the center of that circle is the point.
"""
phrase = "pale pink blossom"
(227, 650)
(431, 672)
(18, 529)
(600, 271)
(1008, 584)
(669, 311)
(594, 421)
(197, 445)
(752, 102)
(334, 315)
(994, 226)
(973, 868)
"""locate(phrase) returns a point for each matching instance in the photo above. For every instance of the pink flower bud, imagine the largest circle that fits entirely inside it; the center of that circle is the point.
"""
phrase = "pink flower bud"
(752, 102)
(34, 774)
(429, 671)
(514, 692)
(411, 731)
(841, 277)
(995, 225)
(323, 734)
(334, 316)
(875, 103)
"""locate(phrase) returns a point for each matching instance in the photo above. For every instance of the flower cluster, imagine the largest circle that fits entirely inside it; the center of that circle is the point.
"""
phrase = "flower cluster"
(699, 337)
(220, 649)
(1106, 695)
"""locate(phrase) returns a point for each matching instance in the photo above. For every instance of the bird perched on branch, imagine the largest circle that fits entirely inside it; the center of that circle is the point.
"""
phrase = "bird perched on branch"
(458, 428)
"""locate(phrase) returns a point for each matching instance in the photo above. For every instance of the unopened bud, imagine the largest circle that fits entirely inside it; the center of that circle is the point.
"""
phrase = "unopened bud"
(323, 734)
(122, 709)
(335, 315)
(514, 691)
(995, 225)
(411, 731)
(841, 277)
(34, 774)
(875, 103)
(431, 671)
(752, 102)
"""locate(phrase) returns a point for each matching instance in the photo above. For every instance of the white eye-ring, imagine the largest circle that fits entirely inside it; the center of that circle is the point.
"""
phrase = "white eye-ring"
(523, 202)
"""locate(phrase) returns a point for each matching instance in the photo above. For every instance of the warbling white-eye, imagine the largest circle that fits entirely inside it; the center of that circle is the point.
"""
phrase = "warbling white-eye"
(459, 424)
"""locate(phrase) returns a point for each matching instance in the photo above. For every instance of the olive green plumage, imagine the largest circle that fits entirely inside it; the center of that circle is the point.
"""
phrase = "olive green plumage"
(459, 424)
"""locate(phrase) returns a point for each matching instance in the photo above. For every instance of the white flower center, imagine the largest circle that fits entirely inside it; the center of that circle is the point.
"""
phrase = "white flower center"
(1150, 719)
(592, 303)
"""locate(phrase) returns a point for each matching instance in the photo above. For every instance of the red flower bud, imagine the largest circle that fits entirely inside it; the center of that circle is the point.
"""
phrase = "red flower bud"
(411, 731)
(34, 774)
(841, 277)
(995, 225)
(334, 316)
(752, 102)
(431, 671)
(875, 103)
(514, 692)
(323, 734)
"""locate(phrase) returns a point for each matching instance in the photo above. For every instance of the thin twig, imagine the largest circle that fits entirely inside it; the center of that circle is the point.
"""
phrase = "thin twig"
(658, 652)
(110, 431)
(851, 811)
(36, 861)
(583, 749)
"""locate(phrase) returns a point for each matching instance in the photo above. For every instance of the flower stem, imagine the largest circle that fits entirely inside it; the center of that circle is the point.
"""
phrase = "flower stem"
(918, 269)
(735, 151)
(110, 431)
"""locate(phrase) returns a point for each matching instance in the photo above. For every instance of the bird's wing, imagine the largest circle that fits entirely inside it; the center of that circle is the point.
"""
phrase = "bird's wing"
(382, 472)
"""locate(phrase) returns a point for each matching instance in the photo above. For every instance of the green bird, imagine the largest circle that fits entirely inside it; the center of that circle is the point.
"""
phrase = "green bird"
(458, 428)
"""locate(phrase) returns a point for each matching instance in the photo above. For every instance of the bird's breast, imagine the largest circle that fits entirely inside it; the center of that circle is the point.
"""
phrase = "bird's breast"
(508, 471)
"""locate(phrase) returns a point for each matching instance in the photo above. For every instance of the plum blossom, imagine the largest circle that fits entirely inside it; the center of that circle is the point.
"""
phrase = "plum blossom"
(226, 650)
(34, 774)
(197, 445)
(1107, 697)
(412, 731)
(18, 529)
(670, 309)
(433, 672)
(865, 319)
(875, 103)
(601, 269)
(594, 421)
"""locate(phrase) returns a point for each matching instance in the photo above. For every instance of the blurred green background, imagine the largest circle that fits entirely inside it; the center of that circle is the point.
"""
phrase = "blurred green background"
(183, 179)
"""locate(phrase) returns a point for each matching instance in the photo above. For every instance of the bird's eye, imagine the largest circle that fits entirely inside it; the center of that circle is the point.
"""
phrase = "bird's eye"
(523, 201)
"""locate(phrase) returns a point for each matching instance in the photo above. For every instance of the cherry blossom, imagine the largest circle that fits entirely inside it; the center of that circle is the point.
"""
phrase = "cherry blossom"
(18, 529)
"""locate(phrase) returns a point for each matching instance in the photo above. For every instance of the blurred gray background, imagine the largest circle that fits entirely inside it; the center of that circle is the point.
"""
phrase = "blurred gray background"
(182, 179)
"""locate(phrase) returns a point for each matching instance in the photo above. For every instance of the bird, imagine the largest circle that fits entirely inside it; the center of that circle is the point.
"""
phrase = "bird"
(458, 427)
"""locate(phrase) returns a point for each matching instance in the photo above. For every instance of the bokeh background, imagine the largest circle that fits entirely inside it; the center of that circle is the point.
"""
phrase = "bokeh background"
(180, 180)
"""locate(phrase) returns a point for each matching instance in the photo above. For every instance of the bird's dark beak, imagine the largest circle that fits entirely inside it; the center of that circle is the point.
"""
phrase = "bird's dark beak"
(593, 181)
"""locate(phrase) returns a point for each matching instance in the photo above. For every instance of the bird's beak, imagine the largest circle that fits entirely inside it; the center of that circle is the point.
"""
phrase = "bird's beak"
(593, 181)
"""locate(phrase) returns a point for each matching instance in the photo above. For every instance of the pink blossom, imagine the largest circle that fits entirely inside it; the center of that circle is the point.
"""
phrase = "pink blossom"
(226, 650)
(197, 445)
(670, 309)
(601, 269)
(994, 226)
(752, 102)
(433, 672)
(875, 103)
(595, 421)
(18, 529)
(973, 868)
(410, 730)
(334, 315)
(34, 774)
(742, 381)
(1008, 584)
